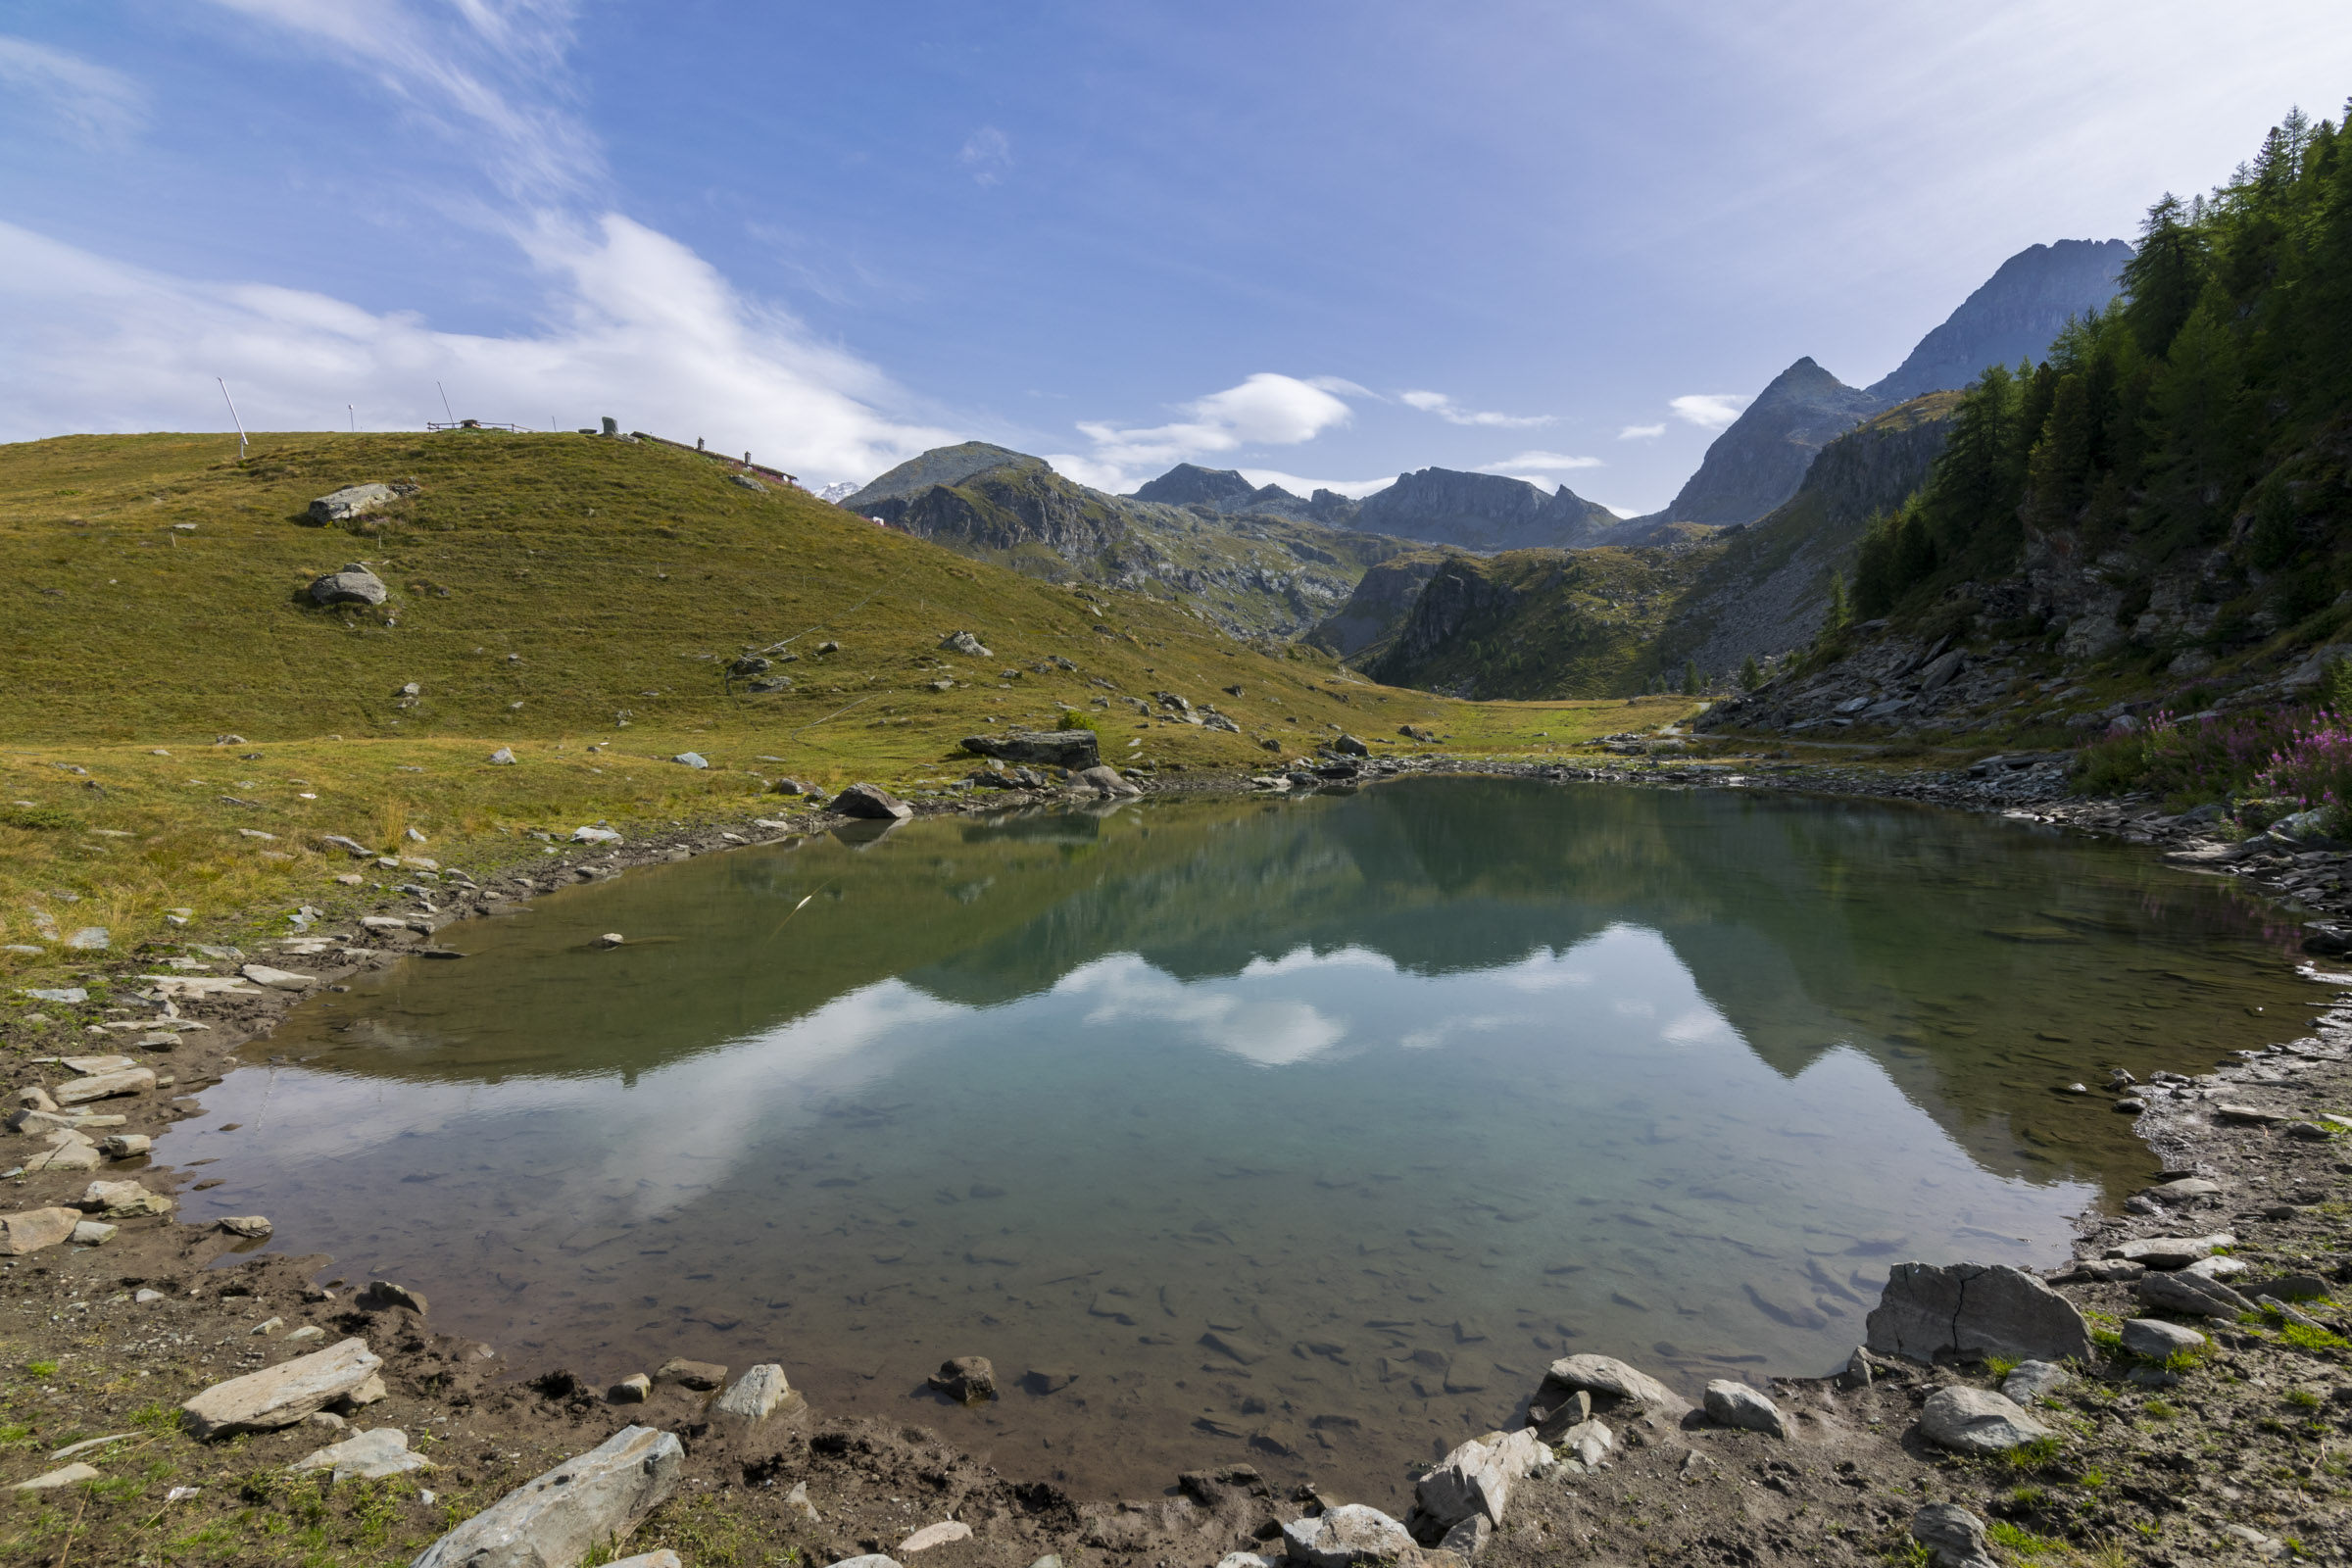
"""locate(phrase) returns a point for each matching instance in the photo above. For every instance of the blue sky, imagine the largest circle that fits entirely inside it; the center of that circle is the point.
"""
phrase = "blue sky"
(1324, 239)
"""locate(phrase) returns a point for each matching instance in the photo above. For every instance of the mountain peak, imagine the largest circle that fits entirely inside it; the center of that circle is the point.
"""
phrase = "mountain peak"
(1188, 484)
(2014, 314)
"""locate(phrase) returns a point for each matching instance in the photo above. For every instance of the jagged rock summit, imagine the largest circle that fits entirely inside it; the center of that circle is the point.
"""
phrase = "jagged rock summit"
(2014, 314)
(1188, 484)
(1482, 512)
(1761, 459)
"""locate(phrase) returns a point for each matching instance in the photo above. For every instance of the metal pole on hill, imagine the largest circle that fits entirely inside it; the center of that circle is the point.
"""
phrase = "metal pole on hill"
(445, 408)
(233, 420)
(354, 417)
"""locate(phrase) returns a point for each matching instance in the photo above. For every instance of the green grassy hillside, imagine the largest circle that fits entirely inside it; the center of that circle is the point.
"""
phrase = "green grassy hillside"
(1541, 623)
(549, 593)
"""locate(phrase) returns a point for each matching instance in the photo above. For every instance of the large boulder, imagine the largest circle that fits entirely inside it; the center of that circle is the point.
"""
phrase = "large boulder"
(1965, 1312)
(754, 1398)
(2154, 1339)
(1074, 748)
(31, 1229)
(1969, 1420)
(1346, 1537)
(2191, 1293)
(355, 584)
(578, 1506)
(282, 1395)
(1735, 1404)
(352, 501)
(1610, 1380)
(871, 802)
(2171, 1252)
(1954, 1536)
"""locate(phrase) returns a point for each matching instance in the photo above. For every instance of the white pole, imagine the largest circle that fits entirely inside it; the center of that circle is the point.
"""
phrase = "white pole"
(233, 415)
(445, 408)
(354, 417)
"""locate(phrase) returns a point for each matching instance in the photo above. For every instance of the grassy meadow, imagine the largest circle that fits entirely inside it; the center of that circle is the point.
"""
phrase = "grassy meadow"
(168, 694)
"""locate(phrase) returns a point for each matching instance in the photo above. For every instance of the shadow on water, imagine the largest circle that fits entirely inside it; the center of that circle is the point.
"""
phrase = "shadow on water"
(1302, 1131)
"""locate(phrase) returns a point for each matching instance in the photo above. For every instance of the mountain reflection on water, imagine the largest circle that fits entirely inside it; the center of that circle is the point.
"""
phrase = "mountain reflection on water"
(1312, 1128)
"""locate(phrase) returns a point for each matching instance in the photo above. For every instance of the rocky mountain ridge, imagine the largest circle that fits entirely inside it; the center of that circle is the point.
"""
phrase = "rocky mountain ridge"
(2014, 314)
(1251, 574)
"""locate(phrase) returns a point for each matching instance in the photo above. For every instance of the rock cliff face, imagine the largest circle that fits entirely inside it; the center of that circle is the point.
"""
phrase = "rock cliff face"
(1251, 572)
(1482, 512)
(1766, 593)
(1758, 463)
(2015, 315)
(1381, 602)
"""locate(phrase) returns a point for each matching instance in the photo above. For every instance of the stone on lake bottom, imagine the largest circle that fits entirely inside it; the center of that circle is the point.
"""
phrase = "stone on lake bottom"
(246, 1225)
(282, 1395)
(560, 1517)
(700, 1376)
(1970, 1420)
(966, 1379)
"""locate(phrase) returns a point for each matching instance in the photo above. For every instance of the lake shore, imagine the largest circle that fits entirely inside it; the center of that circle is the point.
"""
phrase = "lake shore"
(121, 1364)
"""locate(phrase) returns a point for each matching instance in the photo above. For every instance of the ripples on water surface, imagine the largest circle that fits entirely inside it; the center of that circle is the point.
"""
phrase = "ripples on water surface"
(1305, 1132)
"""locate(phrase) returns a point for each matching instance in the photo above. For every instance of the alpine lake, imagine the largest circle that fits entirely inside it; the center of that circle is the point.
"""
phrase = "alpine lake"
(1295, 1131)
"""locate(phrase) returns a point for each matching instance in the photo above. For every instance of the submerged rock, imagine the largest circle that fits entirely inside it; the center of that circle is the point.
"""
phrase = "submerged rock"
(966, 1379)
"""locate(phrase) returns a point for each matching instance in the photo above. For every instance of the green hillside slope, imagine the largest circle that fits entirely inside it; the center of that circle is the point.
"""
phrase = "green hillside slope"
(1541, 623)
(182, 724)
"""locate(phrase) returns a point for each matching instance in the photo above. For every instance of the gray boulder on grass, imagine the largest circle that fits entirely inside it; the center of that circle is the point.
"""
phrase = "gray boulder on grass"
(350, 502)
(1074, 748)
(871, 802)
(355, 584)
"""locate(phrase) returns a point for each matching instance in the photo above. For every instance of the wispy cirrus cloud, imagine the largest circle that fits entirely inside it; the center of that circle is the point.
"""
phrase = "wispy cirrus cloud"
(1452, 413)
(1710, 411)
(988, 154)
(1641, 432)
(88, 103)
(489, 74)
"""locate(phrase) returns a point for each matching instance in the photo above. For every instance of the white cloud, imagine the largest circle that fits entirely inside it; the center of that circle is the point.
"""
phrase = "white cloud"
(638, 326)
(1641, 432)
(1541, 462)
(1709, 411)
(1265, 410)
(488, 74)
(1271, 1031)
(1444, 407)
(988, 154)
(89, 103)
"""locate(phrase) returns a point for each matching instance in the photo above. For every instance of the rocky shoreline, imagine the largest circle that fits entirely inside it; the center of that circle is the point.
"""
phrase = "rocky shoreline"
(2233, 1455)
